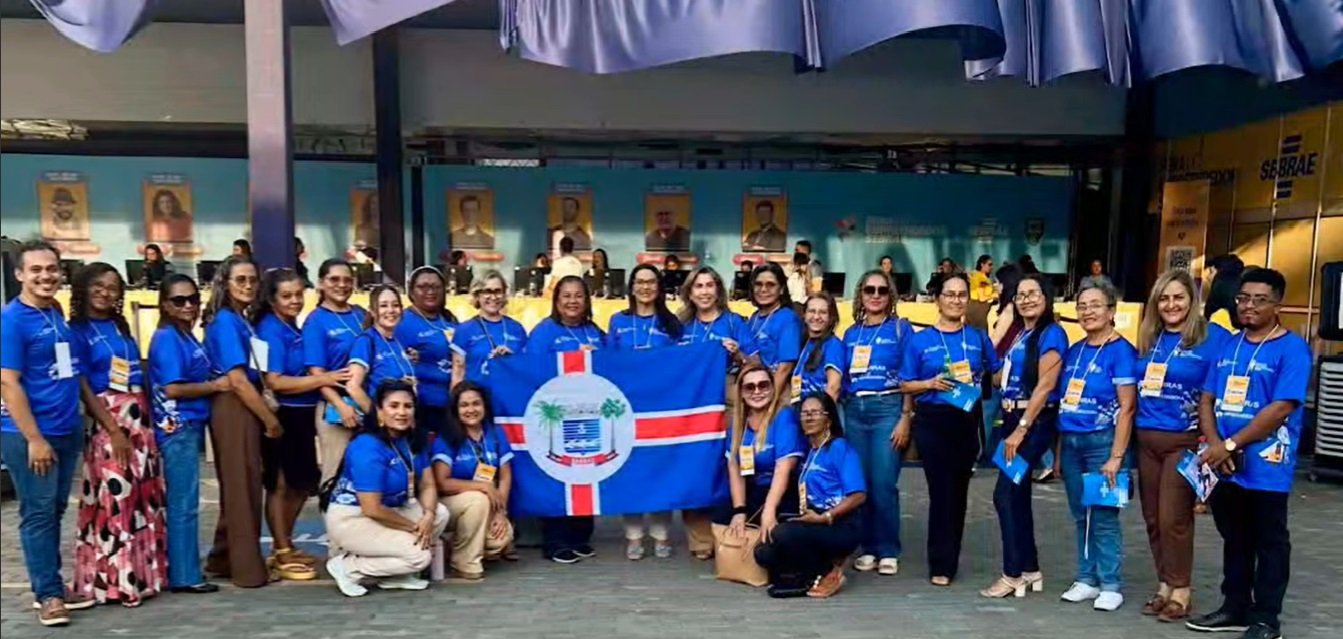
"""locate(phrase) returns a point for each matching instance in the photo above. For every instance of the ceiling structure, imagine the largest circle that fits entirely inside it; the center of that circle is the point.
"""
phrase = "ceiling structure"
(462, 14)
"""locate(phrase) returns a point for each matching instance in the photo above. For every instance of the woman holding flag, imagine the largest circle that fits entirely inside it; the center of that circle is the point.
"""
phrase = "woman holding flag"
(567, 540)
(821, 362)
(941, 375)
(775, 327)
(488, 335)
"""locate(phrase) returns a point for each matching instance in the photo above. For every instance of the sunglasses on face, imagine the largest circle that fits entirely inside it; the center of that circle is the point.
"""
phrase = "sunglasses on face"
(185, 300)
(756, 387)
(881, 291)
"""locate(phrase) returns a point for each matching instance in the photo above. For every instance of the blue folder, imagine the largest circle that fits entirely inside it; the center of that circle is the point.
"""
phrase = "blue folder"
(1096, 490)
(962, 396)
(1016, 470)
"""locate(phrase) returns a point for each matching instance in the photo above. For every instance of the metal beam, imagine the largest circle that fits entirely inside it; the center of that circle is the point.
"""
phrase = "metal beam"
(417, 234)
(387, 115)
(269, 126)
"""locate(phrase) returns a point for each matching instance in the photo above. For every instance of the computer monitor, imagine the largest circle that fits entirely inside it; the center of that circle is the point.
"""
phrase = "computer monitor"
(612, 286)
(530, 281)
(904, 283)
(364, 277)
(741, 285)
(135, 273)
(1331, 307)
(69, 268)
(833, 283)
(672, 281)
(458, 279)
(205, 271)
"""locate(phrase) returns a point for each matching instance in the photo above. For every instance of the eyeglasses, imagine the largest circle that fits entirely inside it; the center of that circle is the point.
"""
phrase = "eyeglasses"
(956, 296)
(1092, 308)
(881, 291)
(770, 284)
(756, 387)
(184, 300)
(1254, 301)
(429, 285)
(243, 279)
(1028, 296)
(491, 292)
(813, 413)
(645, 282)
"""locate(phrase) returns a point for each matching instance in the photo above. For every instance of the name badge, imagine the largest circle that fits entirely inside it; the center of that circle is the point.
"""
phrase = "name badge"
(802, 496)
(65, 366)
(119, 375)
(1072, 398)
(1233, 398)
(1274, 453)
(1153, 380)
(448, 333)
(260, 354)
(485, 473)
(797, 387)
(862, 359)
(1006, 374)
(961, 372)
(746, 460)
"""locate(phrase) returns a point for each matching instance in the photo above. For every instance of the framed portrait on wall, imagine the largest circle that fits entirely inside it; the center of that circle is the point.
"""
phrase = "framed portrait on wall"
(63, 201)
(167, 208)
(764, 223)
(471, 216)
(569, 214)
(364, 213)
(667, 218)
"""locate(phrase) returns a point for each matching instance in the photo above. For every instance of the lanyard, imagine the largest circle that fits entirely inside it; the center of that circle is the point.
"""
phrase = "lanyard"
(1173, 352)
(479, 448)
(400, 352)
(485, 328)
(811, 462)
(340, 317)
(125, 348)
(410, 468)
(587, 337)
(441, 324)
(200, 350)
(1093, 357)
(648, 334)
(1248, 365)
(55, 324)
(947, 351)
(764, 322)
(875, 334)
(707, 326)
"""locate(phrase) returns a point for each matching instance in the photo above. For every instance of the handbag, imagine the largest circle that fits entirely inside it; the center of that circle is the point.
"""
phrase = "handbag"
(734, 557)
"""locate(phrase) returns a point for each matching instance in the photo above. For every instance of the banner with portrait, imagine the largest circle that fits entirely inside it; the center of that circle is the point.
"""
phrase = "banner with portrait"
(63, 201)
(667, 218)
(471, 216)
(168, 209)
(1184, 225)
(569, 214)
(764, 220)
(364, 213)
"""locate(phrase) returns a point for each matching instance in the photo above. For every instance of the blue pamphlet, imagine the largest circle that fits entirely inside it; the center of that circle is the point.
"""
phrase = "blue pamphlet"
(1096, 490)
(962, 396)
(330, 416)
(1199, 475)
(1016, 470)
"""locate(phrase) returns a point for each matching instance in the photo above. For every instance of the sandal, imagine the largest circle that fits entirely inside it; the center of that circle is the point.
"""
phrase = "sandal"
(940, 581)
(703, 555)
(828, 585)
(1154, 606)
(1004, 587)
(1175, 611)
(287, 568)
(296, 556)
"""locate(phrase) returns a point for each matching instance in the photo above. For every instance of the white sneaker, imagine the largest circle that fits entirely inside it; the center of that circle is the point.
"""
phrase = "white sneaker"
(889, 566)
(1108, 601)
(1080, 592)
(335, 566)
(865, 563)
(404, 582)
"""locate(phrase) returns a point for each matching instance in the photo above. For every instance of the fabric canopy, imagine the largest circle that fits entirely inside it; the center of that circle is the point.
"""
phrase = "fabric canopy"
(1038, 41)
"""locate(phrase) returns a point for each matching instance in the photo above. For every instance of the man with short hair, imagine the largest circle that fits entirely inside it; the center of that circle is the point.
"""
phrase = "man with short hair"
(1251, 414)
(569, 226)
(1096, 278)
(667, 235)
(471, 235)
(564, 265)
(768, 236)
(814, 269)
(41, 427)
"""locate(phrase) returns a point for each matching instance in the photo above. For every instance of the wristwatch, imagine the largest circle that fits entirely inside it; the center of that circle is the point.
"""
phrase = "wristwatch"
(829, 518)
(1230, 445)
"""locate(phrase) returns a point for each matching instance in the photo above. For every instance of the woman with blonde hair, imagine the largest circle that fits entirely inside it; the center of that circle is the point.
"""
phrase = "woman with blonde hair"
(1176, 345)
(766, 444)
(488, 335)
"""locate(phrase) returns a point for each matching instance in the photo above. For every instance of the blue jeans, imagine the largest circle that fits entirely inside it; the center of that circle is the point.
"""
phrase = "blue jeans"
(181, 475)
(1012, 501)
(868, 424)
(42, 501)
(1100, 539)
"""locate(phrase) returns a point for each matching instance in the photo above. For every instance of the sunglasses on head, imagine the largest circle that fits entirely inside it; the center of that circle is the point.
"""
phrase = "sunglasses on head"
(756, 387)
(183, 300)
(877, 290)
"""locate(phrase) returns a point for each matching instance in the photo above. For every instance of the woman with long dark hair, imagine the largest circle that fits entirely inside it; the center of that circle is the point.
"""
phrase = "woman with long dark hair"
(775, 327)
(1030, 394)
(156, 267)
(1222, 282)
(821, 362)
(473, 467)
(384, 515)
(289, 464)
(328, 335)
(428, 329)
(123, 486)
(182, 380)
(940, 377)
(377, 355)
(237, 420)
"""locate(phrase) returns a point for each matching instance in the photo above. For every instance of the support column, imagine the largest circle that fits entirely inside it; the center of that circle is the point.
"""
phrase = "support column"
(1135, 232)
(269, 125)
(387, 114)
(418, 237)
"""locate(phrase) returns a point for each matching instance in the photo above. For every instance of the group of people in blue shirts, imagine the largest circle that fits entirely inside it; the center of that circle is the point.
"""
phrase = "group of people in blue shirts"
(396, 398)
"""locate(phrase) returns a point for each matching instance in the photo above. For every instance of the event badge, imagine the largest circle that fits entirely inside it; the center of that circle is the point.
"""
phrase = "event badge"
(961, 371)
(1006, 374)
(448, 333)
(746, 460)
(260, 354)
(797, 387)
(862, 359)
(485, 473)
(1237, 387)
(1153, 380)
(119, 375)
(802, 496)
(1072, 398)
(65, 367)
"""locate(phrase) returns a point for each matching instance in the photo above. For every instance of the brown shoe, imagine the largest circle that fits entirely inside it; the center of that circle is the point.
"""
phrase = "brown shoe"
(53, 613)
(1175, 611)
(73, 601)
(828, 585)
(1154, 606)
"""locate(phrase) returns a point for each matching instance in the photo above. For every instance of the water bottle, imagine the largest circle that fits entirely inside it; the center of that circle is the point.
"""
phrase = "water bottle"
(436, 561)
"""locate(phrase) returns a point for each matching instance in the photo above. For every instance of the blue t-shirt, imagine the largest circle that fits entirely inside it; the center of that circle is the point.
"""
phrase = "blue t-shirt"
(1279, 370)
(103, 341)
(177, 358)
(28, 339)
(777, 337)
(228, 341)
(328, 336)
(930, 353)
(782, 440)
(1173, 408)
(493, 449)
(432, 340)
(285, 351)
(813, 381)
(831, 473)
(383, 358)
(550, 336)
(727, 325)
(372, 466)
(1053, 338)
(475, 339)
(630, 332)
(1102, 369)
(886, 343)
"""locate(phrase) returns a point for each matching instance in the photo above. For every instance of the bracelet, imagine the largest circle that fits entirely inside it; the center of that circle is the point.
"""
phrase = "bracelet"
(738, 510)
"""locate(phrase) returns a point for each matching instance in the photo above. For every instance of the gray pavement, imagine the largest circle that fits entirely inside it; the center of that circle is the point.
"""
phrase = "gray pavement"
(612, 597)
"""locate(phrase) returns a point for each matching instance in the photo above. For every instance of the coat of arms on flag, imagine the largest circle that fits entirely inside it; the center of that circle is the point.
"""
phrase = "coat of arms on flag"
(613, 432)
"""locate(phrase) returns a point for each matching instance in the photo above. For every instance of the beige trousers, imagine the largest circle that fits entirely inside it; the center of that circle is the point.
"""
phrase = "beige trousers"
(658, 525)
(472, 542)
(331, 442)
(373, 550)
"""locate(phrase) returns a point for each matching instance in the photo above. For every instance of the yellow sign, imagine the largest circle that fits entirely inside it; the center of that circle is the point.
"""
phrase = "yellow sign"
(1184, 225)
(1333, 163)
(1296, 172)
(1259, 145)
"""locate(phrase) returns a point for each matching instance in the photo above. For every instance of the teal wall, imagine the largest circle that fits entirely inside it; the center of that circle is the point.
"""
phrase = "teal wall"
(951, 204)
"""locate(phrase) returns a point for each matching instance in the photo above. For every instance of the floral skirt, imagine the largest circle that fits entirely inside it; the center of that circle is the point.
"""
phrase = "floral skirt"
(121, 546)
